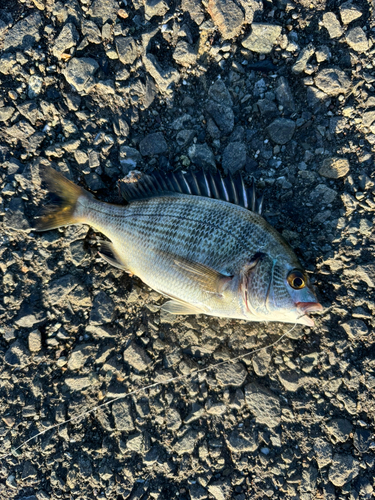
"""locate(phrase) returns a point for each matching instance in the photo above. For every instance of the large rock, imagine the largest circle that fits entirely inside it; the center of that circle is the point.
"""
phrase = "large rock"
(262, 37)
(79, 73)
(264, 405)
(281, 130)
(102, 309)
(127, 49)
(103, 11)
(121, 411)
(67, 38)
(24, 34)
(185, 54)
(334, 168)
(357, 40)
(344, 468)
(234, 157)
(227, 16)
(153, 144)
(332, 81)
(137, 357)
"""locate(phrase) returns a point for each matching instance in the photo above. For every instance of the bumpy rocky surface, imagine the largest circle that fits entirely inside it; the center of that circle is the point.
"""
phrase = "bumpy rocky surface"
(282, 92)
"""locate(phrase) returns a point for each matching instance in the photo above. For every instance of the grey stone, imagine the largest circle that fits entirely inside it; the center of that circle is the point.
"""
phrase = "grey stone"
(67, 38)
(263, 404)
(349, 12)
(300, 65)
(291, 380)
(324, 194)
(227, 16)
(129, 158)
(137, 357)
(323, 452)
(24, 34)
(261, 362)
(22, 130)
(14, 217)
(241, 442)
(213, 129)
(185, 54)
(102, 11)
(357, 40)
(26, 320)
(220, 489)
(349, 202)
(60, 288)
(334, 168)
(281, 130)
(197, 492)
(332, 25)
(155, 8)
(344, 468)
(79, 73)
(339, 430)
(90, 30)
(268, 109)
(231, 374)
(362, 440)
(103, 309)
(164, 77)
(127, 49)
(186, 443)
(185, 137)
(136, 442)
(368, 118)
(219, 93)
(251, 8)
(234, 157)
(222, 115)
(202, 156)
(6, 112)
(332, 81)
(153, 144)
(195, 10)
(35, 341)
(284, 96)
(17, 355)
(35, 86)
(7, 62)
(172, 419)
(355, 328)
(262, 37)
(122, 414)
(79, 356)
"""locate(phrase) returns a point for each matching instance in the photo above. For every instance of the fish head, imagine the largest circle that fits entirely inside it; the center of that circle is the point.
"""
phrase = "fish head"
(278, 289)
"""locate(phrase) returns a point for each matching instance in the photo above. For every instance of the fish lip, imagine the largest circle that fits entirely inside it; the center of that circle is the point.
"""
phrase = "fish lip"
(308, 307)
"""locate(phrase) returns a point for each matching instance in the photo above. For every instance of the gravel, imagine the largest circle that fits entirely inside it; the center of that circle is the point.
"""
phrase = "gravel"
(282, 93)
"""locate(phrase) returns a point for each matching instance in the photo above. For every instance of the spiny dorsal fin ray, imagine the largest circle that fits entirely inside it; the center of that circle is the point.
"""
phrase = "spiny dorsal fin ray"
(136, 186)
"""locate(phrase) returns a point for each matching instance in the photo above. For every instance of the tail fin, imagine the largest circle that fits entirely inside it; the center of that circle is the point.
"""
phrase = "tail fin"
(61, 214)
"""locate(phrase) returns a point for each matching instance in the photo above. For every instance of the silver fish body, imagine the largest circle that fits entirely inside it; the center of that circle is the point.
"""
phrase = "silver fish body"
(207, 255)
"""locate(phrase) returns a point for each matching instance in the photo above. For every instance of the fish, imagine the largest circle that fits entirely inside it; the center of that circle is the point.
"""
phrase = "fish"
(196, 238)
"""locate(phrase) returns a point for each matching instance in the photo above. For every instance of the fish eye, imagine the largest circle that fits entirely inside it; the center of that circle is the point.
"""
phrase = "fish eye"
(296, 279)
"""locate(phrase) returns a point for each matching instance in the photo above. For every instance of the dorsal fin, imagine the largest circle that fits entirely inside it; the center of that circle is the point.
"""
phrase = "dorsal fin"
(136, 186)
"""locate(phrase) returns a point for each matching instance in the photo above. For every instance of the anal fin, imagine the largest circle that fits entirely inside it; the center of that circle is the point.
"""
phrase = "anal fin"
(108, 253)
(178, 307)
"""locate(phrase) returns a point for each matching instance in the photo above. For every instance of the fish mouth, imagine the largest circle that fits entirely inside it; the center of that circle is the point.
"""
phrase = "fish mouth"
(308, 307)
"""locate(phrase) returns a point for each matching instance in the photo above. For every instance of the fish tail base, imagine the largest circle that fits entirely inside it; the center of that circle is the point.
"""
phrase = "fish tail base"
(64, 212)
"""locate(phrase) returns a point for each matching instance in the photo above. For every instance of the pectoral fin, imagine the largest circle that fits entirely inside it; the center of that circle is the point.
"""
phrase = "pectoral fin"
(178, 307)
(211, 281)
(108, 253)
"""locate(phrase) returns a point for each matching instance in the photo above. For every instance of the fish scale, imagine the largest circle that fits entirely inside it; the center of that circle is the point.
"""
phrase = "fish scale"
(208, 255)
